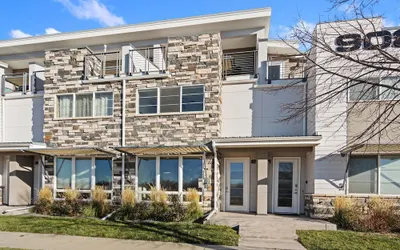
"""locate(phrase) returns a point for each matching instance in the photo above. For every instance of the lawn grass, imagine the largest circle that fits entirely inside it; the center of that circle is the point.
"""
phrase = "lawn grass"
(172, 232)
(343, 240)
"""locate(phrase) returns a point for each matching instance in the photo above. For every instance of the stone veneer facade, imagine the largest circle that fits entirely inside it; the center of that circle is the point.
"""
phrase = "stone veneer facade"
(323, 206)
(191, 60)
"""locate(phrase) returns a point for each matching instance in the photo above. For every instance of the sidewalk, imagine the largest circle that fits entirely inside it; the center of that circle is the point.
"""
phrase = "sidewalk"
(65, 242)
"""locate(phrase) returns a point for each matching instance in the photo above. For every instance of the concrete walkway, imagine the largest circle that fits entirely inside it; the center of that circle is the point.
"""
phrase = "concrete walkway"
(270, 231)
(65, 242)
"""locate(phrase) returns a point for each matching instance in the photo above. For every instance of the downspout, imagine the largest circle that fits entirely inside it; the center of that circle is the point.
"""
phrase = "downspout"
(123, 134)
(211, 214)
(306, 111)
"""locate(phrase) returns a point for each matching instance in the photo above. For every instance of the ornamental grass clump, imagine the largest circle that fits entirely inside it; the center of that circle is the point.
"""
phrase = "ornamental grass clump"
(44, 202)
(99, 202)
(128, 197)
(158, 195)
(194, 210)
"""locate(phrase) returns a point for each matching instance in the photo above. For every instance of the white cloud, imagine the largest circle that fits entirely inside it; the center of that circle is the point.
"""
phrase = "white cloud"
(92, 10)
(301, 27)
(50, 31)
(19, 34)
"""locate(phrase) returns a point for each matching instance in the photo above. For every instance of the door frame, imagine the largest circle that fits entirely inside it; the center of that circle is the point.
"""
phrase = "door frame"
(246, 186)
(275, 178)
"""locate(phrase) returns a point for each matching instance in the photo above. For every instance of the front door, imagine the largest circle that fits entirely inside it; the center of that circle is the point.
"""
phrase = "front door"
(286, 185)
(237, 184)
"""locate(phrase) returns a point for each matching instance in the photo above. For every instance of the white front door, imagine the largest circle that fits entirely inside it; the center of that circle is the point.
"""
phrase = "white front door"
(237, 184)
(286, 185)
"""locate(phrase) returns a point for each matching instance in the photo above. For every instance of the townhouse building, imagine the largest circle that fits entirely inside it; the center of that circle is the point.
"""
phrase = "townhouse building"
(177, 104)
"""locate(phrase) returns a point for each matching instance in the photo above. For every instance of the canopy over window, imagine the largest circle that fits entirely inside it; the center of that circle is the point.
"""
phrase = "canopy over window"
(164, 150)
(373, 149)
(72, 151)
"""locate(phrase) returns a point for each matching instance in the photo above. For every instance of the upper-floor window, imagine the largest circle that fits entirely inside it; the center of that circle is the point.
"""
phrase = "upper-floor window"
(96, 104)
(274, 72)
(171, 99)
(368, 91)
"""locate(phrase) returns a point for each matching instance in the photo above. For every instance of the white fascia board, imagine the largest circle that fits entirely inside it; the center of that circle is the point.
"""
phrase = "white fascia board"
(150, 26)
(310, 141)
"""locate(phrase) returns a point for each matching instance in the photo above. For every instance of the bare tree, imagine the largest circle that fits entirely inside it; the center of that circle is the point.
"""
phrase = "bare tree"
(353, 63)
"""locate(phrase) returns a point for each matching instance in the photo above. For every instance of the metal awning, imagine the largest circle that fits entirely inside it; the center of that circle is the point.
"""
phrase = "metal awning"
(72, 151)
(164, 150)
(372, 149)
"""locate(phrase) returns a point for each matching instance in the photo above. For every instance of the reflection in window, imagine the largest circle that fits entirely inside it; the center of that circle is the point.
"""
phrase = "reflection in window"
(363, 91)
(103, 173)
(192, 98)
(169, 174)
(146, 173)
(363, 175)
(192, 172)
(170, 99)
(390, 175)
(83, 173)
(64, 173)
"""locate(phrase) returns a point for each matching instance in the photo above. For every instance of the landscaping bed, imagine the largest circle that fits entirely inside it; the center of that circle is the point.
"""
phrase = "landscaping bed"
(151, 231)
(343, 240)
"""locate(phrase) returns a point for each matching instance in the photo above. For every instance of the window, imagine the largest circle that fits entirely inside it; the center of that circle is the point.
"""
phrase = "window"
(103, 173)
(169, 173)
(76, 173)
(64, 173)
(192, 98)
(65, 106)
(192, 172)
(164, 173)
(83, 174)
(274, 72)
(367, 91)
(172, 99)
(97, 104)
(169, 100)
(148, 101)
(363, 175)
(389, 93)
(146, 173)
(363, 91)
(390, 175)
(103, 104)
(83, 105)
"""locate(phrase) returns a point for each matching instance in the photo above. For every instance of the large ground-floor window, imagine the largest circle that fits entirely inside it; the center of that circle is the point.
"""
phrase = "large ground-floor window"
(83, 174)
(379, 174)
(175, 175)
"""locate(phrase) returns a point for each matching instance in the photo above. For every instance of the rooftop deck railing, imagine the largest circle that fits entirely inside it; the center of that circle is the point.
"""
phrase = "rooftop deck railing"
(240, 63)
(14, 82)
(103, 64)
(148, 60)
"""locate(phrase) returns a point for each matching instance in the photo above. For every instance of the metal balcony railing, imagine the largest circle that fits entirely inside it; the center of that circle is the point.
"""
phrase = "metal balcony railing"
(286, 69)
(148, 60)
(12, 83)
(102, 64)
(240, 63)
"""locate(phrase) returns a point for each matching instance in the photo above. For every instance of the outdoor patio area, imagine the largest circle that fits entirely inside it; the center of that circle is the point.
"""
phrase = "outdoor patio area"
(269, 231)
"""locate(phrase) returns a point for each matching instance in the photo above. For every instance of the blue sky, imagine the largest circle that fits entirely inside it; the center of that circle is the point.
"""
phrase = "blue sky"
(21, 18)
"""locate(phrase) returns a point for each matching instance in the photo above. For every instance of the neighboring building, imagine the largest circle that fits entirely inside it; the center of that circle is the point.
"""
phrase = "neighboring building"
(176, 104)
(354, 158)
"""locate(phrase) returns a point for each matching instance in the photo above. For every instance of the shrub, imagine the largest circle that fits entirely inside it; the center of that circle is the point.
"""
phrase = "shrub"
(128, 197)
(381, 215)
(44, 201)
(176, 210)
(89, 211)
(99, 202)
(158, 195)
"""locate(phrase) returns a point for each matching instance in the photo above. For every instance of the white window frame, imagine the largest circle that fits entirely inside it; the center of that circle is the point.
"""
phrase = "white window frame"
(180, 191)
(57, 115)
(73, 173)
(159, 100)
(378, 178)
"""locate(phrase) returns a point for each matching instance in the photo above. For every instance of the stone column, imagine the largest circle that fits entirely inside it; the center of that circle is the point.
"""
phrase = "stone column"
(262, 185)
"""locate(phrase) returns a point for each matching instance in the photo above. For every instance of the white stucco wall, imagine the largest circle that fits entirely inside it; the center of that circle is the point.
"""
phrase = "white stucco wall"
(248, 111)
(23, 119)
